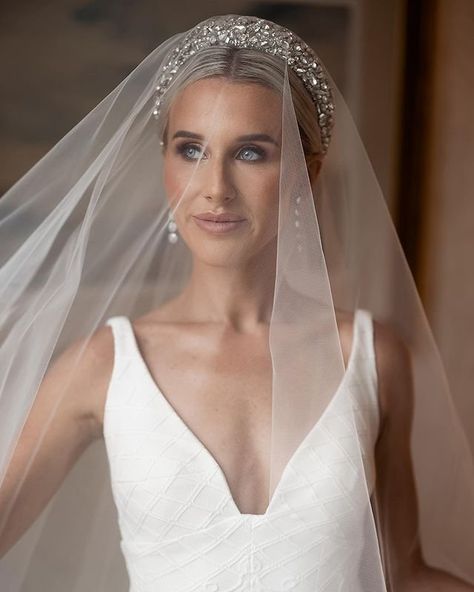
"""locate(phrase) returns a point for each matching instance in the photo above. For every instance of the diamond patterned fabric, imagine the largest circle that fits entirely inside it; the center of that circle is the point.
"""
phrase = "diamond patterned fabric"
(181, 530)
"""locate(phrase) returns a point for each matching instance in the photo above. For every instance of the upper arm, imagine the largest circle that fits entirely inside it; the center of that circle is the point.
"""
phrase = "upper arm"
(78, 380)
(62, 422)
(395, 490)
(72, 389)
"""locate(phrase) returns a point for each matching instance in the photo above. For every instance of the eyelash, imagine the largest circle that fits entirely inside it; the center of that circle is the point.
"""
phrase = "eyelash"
(181, 149)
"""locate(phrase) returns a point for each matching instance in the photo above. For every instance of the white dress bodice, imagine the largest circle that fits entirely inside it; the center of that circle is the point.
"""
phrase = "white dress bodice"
(181, 530)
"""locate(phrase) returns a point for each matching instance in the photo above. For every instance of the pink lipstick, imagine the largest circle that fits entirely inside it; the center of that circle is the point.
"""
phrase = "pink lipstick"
(219, 223)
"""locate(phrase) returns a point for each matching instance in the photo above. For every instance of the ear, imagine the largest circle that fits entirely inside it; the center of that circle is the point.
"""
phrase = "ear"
(313, 162)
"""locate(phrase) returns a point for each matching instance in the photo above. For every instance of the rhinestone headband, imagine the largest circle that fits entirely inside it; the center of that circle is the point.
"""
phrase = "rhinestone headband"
(247, 32)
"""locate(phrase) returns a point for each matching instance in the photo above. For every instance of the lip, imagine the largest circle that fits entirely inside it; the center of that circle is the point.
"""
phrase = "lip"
(219, 227)
(223, 217)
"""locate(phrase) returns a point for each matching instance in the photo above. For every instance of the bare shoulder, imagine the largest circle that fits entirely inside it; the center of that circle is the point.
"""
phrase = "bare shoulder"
(168, 325)
(393, 364)
(345, 326)
(394, 371)
(82, 373)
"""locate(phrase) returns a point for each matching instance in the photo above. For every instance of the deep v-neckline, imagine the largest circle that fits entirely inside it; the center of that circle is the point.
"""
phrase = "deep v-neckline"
(200, 444)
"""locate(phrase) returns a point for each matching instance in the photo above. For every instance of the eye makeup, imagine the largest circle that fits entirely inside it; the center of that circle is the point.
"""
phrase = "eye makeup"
(185, 148)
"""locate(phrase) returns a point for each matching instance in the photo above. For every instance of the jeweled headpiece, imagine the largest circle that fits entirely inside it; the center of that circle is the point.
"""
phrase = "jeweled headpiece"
(248, 32)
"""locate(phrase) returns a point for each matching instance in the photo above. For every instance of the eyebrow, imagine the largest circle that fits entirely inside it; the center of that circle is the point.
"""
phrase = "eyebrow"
(246, 138)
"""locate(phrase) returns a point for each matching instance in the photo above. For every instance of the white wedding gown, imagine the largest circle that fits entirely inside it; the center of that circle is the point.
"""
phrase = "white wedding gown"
(181, 531)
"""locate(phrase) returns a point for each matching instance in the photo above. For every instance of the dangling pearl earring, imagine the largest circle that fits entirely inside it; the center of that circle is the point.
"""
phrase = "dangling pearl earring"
(172, 230)
(297, 224)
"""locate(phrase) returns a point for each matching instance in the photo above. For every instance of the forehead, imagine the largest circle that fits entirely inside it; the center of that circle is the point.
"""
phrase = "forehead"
(217, 103)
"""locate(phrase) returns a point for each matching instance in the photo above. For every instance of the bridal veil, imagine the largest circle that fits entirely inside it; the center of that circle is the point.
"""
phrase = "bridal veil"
(86, 234)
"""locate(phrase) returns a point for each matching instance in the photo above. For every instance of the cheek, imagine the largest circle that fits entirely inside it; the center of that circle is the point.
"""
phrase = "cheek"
(265, 190)
(177, 179)
(171, 179)
(266, 186)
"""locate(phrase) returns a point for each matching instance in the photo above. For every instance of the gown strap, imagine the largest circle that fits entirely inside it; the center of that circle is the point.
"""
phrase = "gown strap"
(365, 351)
(364, 326)
(125, 373)
(124, 342)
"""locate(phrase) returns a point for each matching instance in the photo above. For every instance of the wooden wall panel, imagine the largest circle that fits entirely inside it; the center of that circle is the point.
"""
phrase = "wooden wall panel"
(447, 256)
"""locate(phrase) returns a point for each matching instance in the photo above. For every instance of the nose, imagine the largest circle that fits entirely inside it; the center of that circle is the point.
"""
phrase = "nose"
(217, 182)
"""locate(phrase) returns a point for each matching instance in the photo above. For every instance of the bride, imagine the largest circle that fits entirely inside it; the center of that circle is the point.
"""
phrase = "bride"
(253, 383)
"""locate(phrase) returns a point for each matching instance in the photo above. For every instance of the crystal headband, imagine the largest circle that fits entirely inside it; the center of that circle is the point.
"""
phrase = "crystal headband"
(247, 32)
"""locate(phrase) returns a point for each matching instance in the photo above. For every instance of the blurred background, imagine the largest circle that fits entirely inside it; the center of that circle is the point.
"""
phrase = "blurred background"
(404, 66)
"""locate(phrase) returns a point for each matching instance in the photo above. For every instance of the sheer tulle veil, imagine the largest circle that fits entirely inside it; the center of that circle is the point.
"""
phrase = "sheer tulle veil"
(85, 235)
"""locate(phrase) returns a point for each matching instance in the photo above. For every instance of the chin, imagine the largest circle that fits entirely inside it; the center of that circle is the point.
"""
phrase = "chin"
(229, 251)
(217, 256)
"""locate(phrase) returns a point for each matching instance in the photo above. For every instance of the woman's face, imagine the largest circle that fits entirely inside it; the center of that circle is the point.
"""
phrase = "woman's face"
(235, 131)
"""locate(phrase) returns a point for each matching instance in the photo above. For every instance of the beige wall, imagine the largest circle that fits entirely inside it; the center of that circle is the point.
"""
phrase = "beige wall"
(381, 93)
(448, 242)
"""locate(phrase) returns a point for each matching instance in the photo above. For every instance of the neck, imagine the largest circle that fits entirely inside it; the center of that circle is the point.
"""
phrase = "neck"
(239, 298)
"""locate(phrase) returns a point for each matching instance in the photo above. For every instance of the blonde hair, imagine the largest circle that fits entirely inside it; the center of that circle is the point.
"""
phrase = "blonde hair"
(250, 66)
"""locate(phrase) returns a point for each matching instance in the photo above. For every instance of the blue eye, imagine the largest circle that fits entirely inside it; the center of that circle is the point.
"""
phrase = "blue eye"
(252, 150)
(193, 152)
(189, 151)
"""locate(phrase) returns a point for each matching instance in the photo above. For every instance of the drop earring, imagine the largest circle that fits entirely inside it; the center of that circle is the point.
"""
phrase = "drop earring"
(172, 230)
(299, 246)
